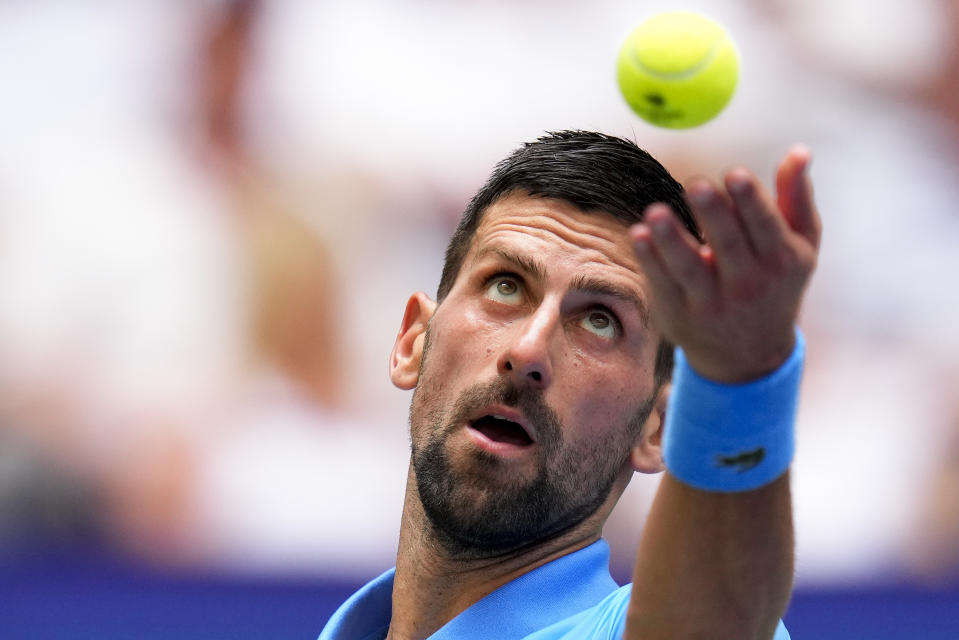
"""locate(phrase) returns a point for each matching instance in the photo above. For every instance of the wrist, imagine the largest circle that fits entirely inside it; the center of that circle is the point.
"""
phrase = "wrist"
(732, 437)
(733, 368)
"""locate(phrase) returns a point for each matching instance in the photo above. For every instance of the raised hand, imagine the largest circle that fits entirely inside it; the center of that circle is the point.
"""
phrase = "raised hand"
(731, 304)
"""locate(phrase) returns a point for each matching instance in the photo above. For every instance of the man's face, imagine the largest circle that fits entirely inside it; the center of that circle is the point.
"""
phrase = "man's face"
(536, 377)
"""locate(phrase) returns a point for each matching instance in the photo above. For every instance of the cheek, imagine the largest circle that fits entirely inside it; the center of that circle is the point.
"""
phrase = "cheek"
(601, 412)
(601, 398)
(472, 337)
(458, 348)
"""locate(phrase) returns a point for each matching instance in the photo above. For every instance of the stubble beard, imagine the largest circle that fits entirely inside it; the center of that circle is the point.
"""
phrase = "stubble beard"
(485, 506)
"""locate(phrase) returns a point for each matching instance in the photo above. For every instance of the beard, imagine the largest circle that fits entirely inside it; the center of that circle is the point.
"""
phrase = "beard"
(483, 505)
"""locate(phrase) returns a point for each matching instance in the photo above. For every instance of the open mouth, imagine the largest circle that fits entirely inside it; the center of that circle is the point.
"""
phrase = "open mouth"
(499, 429)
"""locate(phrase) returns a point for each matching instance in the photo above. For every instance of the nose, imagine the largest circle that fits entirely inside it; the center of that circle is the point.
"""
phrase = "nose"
(526, 357)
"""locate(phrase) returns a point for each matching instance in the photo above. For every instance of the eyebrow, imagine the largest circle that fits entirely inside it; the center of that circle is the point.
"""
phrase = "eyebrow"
(581, 283)
(529, 265)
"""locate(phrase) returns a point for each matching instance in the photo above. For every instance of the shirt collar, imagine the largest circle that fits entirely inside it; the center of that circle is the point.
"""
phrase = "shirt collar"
(535, 600)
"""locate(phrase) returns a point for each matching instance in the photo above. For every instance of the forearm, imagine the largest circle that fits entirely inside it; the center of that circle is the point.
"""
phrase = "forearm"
(713, 565)
(717, 561)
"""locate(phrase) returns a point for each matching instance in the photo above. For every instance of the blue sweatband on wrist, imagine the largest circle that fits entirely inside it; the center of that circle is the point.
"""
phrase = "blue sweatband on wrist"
(732, 437)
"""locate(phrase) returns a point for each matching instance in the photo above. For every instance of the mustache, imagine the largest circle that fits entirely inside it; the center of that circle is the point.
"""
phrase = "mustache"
(503, 391)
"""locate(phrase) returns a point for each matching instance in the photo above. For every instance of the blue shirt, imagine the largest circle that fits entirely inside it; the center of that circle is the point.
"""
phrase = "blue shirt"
(570, 598)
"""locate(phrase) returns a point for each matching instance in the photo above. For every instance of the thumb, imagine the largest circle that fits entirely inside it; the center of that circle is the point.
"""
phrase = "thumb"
(795, 194)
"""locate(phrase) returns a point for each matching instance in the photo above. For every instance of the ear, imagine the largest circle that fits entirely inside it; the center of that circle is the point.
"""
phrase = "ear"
(408, 348)
(646, 455)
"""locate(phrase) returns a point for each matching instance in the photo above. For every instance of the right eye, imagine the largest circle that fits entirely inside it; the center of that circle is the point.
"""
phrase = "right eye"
(505, 289)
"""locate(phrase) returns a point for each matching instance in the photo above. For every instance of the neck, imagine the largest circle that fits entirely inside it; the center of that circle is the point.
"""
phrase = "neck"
(431, 586)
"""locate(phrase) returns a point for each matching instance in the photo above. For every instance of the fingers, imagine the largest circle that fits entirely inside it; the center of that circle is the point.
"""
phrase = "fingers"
(721, 225)
(669, 296)
(763, 225)
(748, 233)
(749, 225)
(671, 259)
(795, 195)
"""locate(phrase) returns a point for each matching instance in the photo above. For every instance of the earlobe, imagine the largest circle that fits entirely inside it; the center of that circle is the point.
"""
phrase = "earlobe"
(408, 347)
(646, 455)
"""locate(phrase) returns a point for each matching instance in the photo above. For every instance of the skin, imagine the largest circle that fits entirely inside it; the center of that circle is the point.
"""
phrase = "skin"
(709, 565)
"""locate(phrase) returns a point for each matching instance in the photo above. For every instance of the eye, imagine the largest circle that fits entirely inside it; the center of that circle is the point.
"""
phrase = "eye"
(505, 289)
(600, 322)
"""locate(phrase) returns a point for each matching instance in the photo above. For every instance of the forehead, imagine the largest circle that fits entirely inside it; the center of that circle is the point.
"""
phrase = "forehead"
(557, 232)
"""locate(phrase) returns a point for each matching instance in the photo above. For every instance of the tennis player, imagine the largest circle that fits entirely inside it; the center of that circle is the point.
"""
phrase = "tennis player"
(594, 320)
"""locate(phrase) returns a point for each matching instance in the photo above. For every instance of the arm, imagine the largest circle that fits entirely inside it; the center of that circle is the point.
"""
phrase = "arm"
(713, 565)
(719, 565)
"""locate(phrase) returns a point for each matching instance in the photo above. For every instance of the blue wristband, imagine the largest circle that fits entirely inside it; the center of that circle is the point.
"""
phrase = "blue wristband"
(732, 437)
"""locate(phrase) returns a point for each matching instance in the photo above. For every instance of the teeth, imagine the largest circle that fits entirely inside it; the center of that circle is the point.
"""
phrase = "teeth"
(499, 417)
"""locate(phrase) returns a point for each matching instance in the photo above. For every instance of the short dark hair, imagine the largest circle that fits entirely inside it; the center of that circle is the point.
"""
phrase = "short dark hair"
(592, 171)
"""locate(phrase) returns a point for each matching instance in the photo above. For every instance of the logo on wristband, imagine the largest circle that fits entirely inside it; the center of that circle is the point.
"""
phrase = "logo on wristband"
(744, 461)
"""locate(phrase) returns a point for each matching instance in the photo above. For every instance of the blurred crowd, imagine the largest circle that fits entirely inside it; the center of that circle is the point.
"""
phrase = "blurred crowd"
(212, 213)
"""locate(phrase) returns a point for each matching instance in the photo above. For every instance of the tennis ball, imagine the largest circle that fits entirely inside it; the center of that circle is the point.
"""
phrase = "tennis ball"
(678, 69)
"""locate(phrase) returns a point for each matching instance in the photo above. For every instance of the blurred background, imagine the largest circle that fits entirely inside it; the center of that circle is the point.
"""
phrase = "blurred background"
(211, 216)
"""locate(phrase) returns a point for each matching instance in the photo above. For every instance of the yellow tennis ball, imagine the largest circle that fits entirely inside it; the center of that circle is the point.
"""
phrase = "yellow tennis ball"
(678, 69)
